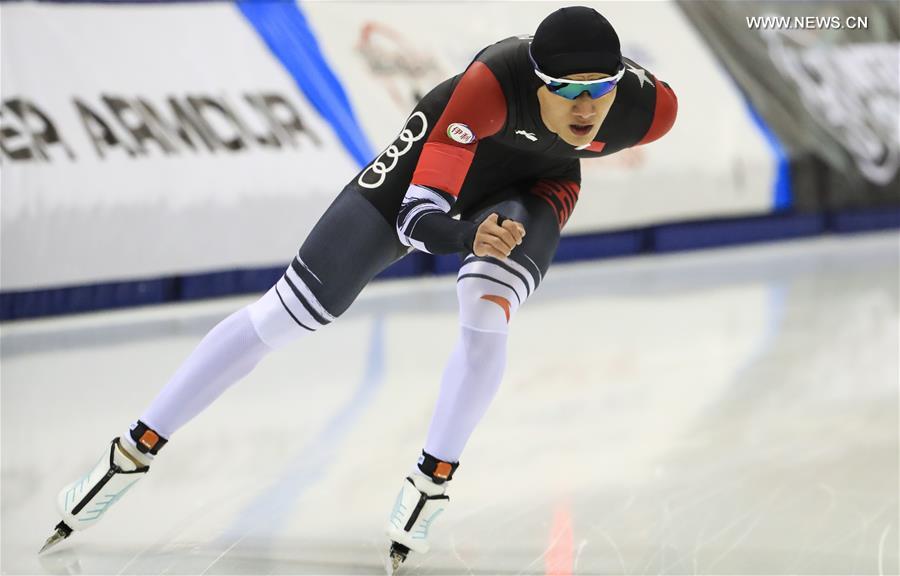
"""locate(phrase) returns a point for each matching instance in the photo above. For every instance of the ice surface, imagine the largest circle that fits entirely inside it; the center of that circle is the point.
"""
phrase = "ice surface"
(720, 412)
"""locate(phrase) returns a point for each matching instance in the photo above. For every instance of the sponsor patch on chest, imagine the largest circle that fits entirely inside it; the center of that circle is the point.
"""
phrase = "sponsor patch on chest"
(460, 133)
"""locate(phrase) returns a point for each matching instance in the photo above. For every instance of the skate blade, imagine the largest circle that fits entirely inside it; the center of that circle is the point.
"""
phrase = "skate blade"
(61, 532)
(396, 560)
(396, 557)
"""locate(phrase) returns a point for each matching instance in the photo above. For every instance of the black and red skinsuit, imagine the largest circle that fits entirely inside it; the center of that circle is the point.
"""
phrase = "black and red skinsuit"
(503, 159)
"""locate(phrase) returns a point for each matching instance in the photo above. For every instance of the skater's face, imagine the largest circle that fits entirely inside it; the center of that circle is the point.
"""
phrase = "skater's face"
(575, 121)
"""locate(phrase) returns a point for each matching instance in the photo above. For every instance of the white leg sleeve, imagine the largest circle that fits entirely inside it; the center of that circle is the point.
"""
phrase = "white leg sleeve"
(228, 353)
(470, 381)
(489, 294)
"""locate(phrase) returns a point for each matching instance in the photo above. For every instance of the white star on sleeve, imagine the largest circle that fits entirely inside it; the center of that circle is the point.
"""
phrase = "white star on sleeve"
(641, 75)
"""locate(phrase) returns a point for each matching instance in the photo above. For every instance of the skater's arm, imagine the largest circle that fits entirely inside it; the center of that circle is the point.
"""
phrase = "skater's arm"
(424, 224)
(427, 209)
(476, 110)
(664, 112)
(644, 110)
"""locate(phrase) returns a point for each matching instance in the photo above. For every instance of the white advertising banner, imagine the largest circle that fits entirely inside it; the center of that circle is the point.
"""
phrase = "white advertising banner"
(149, 140)
(714, 162)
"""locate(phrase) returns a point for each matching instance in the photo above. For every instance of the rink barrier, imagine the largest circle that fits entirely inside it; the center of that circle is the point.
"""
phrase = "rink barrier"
(112, 295)
(696, 235)
(655, 239)
(864, 220)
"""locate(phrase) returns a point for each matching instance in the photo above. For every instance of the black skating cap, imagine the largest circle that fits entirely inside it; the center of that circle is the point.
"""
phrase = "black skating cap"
(576, 39)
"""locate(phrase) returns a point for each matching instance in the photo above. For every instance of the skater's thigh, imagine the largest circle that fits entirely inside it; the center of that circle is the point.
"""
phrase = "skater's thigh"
(541, 224)
(349, 245)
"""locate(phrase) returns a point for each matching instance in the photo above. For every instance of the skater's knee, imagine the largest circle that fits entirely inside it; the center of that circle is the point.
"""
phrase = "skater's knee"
(490, 292)
(286, 312)
(270, 321)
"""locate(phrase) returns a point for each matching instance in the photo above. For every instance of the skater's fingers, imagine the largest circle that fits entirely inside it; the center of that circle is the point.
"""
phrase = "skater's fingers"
(499, 243)
(505, 236)
(497, 236)
(498, 247)
(491, 252)
(516, 229)
(490, 224)
(487, 247)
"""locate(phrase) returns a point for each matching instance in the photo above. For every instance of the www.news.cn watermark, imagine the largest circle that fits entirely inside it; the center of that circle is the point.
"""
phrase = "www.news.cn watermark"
(807, 22)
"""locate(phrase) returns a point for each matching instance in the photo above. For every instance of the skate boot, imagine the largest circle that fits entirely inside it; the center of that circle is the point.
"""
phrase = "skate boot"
(420, 501)
(83, 502)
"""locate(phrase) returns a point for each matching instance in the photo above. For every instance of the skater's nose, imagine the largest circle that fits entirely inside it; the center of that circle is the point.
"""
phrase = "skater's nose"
(583, 108)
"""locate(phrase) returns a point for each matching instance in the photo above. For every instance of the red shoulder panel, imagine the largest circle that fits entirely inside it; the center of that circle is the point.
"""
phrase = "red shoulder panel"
(664, 113)
(479, 105)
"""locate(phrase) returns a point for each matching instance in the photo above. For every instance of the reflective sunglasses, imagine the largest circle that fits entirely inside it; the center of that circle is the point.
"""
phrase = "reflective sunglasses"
(572, 89)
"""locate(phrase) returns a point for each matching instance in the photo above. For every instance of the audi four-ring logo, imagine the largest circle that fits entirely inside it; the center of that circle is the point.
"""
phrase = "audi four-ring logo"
(393, 152)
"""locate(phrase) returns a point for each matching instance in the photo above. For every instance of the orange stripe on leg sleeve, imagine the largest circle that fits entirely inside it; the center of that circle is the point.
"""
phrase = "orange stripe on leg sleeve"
(499, 301)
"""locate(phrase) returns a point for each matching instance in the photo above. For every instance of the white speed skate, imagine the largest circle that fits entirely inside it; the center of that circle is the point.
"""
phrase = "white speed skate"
(417, 506)
(421, 500)
(82, 503)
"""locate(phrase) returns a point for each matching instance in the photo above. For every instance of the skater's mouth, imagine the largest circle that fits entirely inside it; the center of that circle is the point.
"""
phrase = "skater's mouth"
(581, 129)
